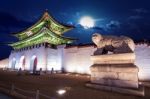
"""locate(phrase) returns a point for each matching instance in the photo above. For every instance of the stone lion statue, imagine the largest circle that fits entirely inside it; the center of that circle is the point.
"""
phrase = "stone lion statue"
(112, 44)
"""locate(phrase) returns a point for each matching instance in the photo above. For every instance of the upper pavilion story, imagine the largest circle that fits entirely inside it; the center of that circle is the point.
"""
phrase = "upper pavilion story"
(46, 30)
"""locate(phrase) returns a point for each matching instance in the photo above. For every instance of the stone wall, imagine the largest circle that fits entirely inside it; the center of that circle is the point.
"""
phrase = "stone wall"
(39, 53)
(55, 58)
(47, 58)
(77, 59)
(142, 52)
(4, 63)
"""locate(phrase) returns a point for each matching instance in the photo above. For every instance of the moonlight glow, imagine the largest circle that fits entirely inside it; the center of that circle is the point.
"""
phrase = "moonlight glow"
(87, 22)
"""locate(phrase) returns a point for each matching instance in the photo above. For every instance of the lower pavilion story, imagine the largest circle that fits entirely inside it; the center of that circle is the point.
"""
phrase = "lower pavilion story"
(71, 59)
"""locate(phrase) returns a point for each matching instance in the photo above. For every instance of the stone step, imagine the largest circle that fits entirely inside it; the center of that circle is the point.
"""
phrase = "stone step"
(114, 68)
(116, 83)
(115, 75)
(138, 92)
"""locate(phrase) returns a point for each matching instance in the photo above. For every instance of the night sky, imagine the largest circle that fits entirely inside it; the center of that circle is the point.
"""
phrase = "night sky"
(112, 17)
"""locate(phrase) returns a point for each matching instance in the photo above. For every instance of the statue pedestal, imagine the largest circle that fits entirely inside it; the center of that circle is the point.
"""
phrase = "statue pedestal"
(116, 75)
(125, 58)
(114, 71)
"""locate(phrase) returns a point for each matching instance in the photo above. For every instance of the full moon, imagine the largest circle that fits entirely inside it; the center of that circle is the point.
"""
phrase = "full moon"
(87, 22)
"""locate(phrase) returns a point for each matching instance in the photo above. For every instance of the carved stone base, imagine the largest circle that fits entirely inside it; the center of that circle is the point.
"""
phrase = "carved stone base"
(115, 75)
(124, 58)
(137, 92)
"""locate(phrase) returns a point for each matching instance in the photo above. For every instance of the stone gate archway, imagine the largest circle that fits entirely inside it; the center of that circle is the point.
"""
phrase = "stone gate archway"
(22, 62)
(33, 64)
(13, 63)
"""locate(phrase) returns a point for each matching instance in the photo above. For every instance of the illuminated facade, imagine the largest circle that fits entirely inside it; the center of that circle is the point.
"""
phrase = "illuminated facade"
(43, 46)
(40, 46)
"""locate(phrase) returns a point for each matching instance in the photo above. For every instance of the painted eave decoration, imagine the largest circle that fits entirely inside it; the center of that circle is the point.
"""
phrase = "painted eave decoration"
(47, 29)
(44, 35)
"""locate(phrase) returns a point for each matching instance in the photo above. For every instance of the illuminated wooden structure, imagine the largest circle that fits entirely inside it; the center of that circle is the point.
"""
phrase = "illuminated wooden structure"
(41, 46)
(46, 30)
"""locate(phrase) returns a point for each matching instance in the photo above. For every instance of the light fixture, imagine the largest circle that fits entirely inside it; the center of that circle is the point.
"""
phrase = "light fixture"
(61, 91)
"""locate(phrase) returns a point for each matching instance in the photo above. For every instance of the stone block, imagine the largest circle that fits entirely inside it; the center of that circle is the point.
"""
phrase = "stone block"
(128, 69)
(125, 84)
(128, 76)
(123, 58)
(106, 75)
(94, 78)
(98, 86)
(98, 68)
(116, 83)
(114, 68)
(102, 81)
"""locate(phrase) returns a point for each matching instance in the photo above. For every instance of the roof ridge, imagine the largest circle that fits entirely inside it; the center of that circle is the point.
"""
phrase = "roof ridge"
(45, 18)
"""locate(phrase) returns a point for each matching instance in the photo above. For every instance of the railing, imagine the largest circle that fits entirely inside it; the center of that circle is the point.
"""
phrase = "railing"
(23, 94)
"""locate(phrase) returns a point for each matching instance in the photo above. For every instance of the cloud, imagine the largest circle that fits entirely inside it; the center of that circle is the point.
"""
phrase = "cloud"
(113, 24)
(140, 10)
(139, 13)
(136, 26)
